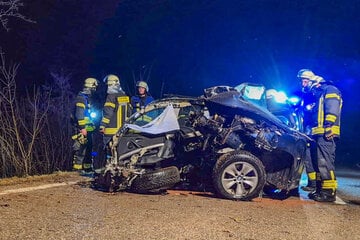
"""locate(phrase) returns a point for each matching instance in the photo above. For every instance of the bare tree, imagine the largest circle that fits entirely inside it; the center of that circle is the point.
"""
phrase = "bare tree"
(10, 9)
(22, 122)
(55, 141)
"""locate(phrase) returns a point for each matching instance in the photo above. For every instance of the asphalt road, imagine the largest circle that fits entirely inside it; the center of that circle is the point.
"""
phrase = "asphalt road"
(65, 207)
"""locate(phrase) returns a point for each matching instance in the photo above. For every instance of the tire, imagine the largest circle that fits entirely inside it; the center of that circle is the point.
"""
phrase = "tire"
(239, 176)
(160, 179)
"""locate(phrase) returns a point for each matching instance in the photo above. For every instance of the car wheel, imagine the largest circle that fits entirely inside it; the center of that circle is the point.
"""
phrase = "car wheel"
(160, 179)
(239, 176)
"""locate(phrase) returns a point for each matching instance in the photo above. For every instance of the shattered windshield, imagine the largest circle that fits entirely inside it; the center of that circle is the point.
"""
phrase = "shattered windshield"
(142, 119)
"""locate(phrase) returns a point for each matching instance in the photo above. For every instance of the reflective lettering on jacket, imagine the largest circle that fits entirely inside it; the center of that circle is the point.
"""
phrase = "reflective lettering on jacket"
(115, 112)
(327, 112)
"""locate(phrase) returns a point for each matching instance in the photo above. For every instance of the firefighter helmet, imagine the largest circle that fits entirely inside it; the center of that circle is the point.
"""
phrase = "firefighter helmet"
(306, 73)
(112, 79)
(90, 83)
(317, 79)
(314, 81)
(142, 84)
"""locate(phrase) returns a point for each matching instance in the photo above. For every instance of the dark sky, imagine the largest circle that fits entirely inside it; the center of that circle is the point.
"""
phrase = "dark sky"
(190, 45)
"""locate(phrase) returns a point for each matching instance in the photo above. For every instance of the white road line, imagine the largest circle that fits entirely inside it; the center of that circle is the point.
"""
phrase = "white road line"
(339, 201)
(28, 189)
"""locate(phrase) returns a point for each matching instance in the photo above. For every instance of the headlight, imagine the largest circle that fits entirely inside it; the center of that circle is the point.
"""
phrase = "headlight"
(294, 100)
(280, 97)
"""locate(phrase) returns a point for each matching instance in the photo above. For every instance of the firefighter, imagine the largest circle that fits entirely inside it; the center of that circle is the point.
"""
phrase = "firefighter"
(325, 130)
(83, 127)
(116, 108)
(142, 98)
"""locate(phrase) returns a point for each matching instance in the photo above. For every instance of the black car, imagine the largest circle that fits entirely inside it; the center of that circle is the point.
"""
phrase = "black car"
(220, 141)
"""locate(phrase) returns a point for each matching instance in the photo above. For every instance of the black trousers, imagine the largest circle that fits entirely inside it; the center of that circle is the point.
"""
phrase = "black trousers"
(83, 152)
(323, 160)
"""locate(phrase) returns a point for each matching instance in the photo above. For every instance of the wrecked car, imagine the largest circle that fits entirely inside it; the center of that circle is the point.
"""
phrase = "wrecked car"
(223, 141)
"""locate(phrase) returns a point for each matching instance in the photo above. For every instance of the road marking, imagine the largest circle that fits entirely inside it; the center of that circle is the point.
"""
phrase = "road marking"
(28, 189)
(339, 201)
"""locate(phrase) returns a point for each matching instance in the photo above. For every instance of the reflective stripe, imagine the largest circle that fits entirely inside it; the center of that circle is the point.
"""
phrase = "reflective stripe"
(330, 118)
(332, 174)
(80, 105)
(109, 104)
(77, 167)
(123, 99)
(105, 120)
(111, 131)
(321, 112)
(333, 95)
(82, 122)
(329, 184)
(312, 176)
(321, 130)
(87, 165)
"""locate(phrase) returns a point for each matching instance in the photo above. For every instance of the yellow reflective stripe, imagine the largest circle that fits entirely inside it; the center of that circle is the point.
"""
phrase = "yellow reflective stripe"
(321, 130)
(312, 176)
(77, 167)
(332, 95)
(87, 165)
(73, 137)
(82, 122)
(317, 130)
(321, 112)
(329, 184)
(105, 120)
(332, 174)
(109, 104)
(119, 119)
(111, 131)
(334, 129)
(124, 99)
(80, 105)
(330, 118)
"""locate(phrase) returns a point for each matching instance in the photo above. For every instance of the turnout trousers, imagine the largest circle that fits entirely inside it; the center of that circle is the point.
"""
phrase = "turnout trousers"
(323, 159)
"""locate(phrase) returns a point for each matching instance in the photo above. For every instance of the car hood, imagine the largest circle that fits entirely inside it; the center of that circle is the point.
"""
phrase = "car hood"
(229, 104)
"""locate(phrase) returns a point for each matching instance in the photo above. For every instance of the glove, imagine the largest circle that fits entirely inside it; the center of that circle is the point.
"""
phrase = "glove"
(102, 129)
(83, 132)
(329, 134)
(82, 139)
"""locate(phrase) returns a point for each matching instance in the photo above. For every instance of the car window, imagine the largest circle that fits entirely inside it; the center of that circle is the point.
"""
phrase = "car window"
(142, 119)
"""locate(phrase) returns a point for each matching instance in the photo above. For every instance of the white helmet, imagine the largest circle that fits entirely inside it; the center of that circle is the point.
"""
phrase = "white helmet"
(112, 79)
(91, 83)
(306, 73)
(142, 84)
(314, 81)
(317, 79)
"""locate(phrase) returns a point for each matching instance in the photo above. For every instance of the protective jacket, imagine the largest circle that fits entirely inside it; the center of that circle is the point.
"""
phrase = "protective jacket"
(327, 110)
(82, 147)
(82, 112)
(116, 110)
(138, 102)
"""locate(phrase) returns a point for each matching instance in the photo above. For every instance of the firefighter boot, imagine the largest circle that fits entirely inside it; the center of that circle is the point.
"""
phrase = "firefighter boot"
(313, 194)
(76, 165)
(326, 195)
(310, 187)
(87, 167)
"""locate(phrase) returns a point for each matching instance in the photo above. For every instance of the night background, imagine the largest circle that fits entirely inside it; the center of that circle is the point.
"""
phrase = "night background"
(186, 46)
